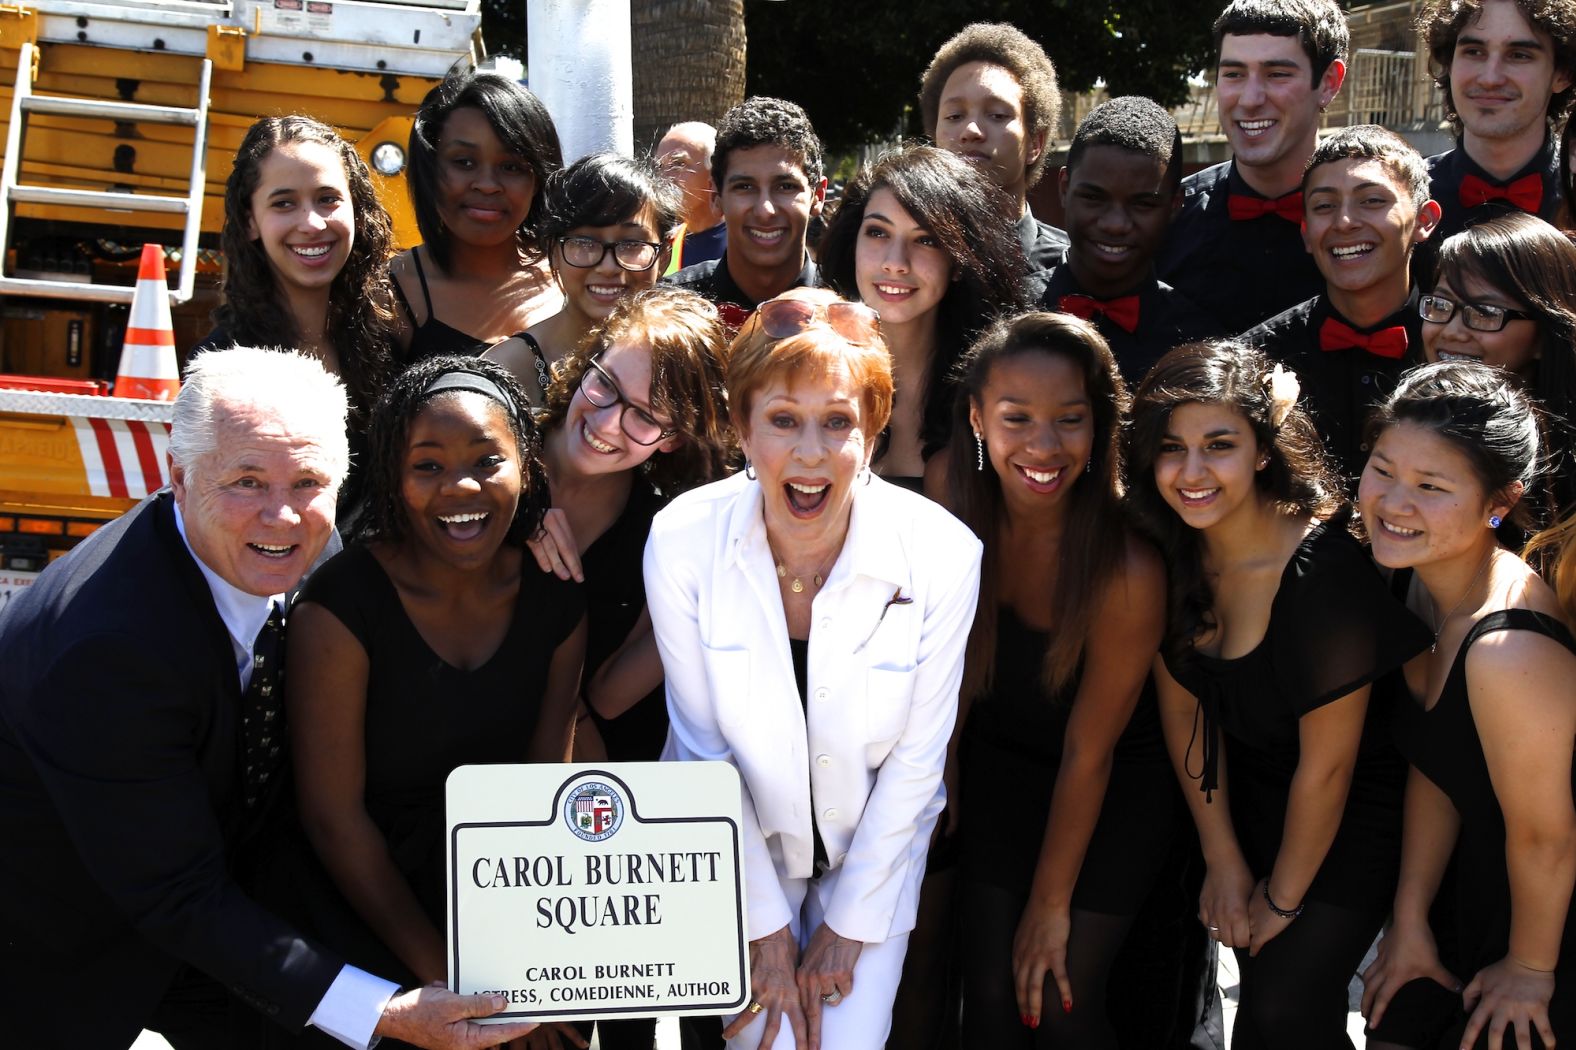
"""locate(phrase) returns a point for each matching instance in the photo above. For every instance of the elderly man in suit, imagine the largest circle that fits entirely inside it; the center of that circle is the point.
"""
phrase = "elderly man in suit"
(139, 741)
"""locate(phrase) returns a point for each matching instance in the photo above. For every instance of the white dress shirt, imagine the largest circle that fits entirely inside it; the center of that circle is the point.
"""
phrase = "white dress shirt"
(350, 1009)
(882, 691)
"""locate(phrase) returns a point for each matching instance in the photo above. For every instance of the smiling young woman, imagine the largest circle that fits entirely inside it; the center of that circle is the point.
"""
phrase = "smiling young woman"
(918, 237)
(1488, 727)
(1056, 689)
(1505, 295)
(1281, 640)
(428, 643)
(482, 149)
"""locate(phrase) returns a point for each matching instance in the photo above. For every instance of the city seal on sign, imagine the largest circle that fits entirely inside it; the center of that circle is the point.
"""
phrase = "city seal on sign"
(594, 811)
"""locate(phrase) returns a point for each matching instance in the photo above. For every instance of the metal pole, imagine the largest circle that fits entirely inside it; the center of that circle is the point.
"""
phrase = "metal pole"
(579, 66)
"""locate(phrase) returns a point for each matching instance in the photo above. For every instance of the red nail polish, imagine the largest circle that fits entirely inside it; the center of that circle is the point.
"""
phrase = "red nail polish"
(1023, 1019)
(1067, 1006)
(1034, 1022)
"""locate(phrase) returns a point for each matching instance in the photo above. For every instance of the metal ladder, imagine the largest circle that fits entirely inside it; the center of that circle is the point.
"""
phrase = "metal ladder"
(23, 103)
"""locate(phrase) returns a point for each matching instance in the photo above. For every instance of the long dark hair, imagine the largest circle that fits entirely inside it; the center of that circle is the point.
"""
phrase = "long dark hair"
(360, 302)
(1534, 264)
(964, 211)
(1095, 540)
(1298, 479)
(384, 514)
(684, 336)
(521, 123)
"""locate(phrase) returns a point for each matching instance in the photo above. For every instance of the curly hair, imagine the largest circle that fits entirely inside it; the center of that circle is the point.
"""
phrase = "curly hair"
(1095, 540)
(683, 334)
(1483, 414)
(962, 209)
(361, 301)
(765, 121)
(1318, 25)
(521, 123)
(1298, 479)
(1533, 264)
(1440, 22)
(1131, 122)
(1007, 46)
(1372, 142)
(384, 515)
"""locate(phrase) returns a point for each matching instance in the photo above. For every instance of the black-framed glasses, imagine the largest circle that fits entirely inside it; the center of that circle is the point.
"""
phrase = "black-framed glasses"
(1480, 317)
(602, 391)
(586, 252)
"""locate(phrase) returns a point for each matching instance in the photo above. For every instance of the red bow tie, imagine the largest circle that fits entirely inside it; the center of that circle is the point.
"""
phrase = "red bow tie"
(1122, 311)
(1240, 206)
(1387, 342)
(1525, 193)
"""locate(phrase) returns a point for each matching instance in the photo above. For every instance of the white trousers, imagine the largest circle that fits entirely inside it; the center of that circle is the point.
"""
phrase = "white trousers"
(864, 1017)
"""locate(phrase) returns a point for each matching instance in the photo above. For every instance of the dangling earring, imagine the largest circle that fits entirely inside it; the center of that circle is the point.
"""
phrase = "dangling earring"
(1495, 521)
(749, 470)
(979, 452)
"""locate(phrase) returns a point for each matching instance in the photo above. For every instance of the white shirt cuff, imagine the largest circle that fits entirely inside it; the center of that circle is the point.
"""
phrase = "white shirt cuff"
(352, 1006)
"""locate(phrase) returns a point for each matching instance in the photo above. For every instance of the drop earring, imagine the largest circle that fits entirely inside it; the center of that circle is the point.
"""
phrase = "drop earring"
(979, 452)
(749, 470)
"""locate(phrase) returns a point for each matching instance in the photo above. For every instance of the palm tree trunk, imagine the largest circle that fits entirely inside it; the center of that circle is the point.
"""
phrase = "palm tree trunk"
(689, 62)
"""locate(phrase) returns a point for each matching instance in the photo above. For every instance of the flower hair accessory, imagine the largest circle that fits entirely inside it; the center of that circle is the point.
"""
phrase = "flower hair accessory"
(1283, 389)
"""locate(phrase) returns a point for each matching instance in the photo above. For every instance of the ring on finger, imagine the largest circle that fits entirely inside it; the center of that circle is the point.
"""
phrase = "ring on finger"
(755, 1007)
(832, 998)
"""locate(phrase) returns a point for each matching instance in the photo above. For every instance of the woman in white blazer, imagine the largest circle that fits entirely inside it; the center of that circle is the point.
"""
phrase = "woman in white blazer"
(812, 620)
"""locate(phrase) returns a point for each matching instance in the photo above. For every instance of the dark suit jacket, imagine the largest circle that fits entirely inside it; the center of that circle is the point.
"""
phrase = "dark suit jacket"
(120, 802)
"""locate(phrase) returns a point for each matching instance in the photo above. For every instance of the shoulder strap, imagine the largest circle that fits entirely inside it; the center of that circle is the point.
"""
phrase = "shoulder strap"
(1520, 620)
(399, 294)
(544, 376)
(421, 275)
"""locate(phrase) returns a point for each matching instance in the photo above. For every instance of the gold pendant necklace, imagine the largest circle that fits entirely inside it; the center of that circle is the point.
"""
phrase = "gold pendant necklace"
(797, 583)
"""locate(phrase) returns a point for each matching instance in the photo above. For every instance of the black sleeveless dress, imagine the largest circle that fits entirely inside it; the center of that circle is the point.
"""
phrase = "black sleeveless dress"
(1008, 759)
(424, 718)
(1334, 627)
(1443, 743)
(433, 338)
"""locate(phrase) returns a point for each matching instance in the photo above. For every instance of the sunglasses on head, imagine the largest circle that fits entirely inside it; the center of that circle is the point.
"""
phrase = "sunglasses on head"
(855, 322)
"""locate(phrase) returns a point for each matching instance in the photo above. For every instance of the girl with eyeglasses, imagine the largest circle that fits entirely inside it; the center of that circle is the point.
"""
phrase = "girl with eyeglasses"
(606, 224)
(1505, 295)
(635, 415)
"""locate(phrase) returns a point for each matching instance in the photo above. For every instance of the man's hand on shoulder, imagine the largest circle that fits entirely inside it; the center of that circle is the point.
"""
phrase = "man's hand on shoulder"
(439, 1019)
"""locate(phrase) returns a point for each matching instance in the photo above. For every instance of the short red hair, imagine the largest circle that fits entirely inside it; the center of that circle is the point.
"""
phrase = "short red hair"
(755, 360)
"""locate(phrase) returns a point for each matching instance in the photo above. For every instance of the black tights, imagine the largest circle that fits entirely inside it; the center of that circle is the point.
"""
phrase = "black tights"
(1294, 991)
(990, 1002)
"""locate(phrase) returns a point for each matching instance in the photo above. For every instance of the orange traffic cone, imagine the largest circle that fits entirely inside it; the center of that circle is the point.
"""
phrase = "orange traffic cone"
(147, 362)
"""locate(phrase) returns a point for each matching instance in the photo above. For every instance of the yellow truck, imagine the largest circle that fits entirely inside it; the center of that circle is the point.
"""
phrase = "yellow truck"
(122, 117)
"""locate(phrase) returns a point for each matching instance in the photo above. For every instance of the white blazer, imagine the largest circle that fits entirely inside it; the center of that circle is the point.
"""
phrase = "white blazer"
(883, 691)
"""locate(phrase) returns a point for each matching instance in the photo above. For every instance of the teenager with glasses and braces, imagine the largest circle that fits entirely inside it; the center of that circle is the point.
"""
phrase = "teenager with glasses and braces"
(1505, 295)
(606, 224)
(812, 620)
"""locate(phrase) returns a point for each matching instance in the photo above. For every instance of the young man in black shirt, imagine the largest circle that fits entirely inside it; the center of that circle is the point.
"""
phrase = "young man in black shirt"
(1366, 208)
(1119, 190)
(767, 168)
(1235, 249)
(1505, 67)
(990, 96)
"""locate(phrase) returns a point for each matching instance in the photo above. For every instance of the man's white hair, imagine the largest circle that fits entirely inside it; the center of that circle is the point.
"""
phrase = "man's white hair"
(284, 383)
(695, 133)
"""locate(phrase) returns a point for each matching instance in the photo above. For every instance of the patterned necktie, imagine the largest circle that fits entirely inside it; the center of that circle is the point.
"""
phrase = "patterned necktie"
(262, 726)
